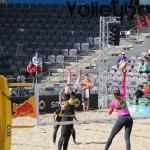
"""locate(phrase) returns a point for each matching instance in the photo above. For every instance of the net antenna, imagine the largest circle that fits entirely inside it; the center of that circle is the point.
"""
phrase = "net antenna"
(103, 57)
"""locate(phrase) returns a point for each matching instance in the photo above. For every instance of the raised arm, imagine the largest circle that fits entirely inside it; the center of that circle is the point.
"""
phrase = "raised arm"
(123, 82)
(69, 75)
(61, 93)
(78, 78)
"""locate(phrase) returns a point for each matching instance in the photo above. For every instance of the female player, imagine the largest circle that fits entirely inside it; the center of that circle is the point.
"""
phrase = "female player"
(69, 114)
(58, 114)
(124, 118)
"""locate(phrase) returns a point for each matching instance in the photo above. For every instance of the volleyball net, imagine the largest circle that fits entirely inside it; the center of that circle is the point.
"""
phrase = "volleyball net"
(94, 115)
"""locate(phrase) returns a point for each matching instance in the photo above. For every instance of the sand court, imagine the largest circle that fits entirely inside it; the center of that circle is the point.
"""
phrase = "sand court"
(88, 136)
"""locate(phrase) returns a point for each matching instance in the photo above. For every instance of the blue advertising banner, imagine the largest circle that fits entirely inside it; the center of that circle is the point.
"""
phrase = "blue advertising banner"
(137, 109)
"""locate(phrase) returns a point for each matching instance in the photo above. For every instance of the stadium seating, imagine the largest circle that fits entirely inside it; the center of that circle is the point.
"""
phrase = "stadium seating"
(48, 28)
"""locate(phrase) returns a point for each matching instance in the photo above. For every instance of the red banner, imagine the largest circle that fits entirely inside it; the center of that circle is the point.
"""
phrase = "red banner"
(141, 20)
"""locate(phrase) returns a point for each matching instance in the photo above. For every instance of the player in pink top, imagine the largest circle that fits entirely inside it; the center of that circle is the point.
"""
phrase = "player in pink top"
(124, 118)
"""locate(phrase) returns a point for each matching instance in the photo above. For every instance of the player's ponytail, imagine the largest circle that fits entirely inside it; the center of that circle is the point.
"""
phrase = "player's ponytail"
(117, 95)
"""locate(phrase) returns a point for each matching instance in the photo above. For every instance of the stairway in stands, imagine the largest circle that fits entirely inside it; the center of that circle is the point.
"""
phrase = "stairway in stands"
(128, 45)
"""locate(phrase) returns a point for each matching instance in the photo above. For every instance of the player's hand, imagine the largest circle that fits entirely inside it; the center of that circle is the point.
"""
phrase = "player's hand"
(124, 71)
(80, 71)
(70, 70)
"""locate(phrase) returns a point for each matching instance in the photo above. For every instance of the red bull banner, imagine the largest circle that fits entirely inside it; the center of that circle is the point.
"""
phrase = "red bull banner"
(28, 108)
(142, 20)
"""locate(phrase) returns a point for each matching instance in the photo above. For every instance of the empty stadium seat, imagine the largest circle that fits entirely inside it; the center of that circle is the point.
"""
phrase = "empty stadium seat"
(77, 46)
(96, 40)
(51, 59)
(60, 59)
(73, 53)
(85, 47)
(64, 52)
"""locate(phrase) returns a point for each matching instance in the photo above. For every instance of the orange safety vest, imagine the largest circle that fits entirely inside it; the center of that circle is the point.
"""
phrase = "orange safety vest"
(86, 82)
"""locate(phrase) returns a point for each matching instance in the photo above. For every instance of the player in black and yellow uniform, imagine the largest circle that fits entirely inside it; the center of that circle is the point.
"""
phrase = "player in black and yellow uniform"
(69, 115)
(69, 102)
(58, 114)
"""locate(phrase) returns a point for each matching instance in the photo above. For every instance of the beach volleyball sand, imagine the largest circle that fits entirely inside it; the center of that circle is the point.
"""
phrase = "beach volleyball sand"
(88, 136)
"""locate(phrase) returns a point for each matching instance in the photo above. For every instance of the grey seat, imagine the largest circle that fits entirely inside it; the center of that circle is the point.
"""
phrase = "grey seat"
(73, 53)
(85, 47)
(60, 59)
(51, 59)
(96, 40)
(77, 46)
(64, 52)
(89, 40)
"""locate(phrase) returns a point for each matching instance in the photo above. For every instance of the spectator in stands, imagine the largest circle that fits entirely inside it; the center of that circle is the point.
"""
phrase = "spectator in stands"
(122, 61)
(140, 93)
(142, 68)
(12, 92)
(86, 93)
(37, 61)
(147, 56)
(31, 70)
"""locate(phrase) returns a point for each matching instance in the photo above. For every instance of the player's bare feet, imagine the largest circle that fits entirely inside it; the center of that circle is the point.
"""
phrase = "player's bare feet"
(74, 142)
